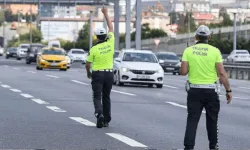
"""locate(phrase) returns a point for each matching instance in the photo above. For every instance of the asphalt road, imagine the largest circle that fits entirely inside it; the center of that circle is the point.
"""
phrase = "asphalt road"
(52, 109)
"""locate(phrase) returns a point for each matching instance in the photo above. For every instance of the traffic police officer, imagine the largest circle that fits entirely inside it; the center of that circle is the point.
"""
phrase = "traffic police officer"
(101, 59)
(203, 63)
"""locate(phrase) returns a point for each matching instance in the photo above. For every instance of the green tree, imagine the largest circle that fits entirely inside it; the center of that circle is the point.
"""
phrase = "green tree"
(2, 17)
(174, 16)
(189, 20)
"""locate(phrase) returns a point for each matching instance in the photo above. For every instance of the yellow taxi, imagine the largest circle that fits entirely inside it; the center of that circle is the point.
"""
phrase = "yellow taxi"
(52, 58)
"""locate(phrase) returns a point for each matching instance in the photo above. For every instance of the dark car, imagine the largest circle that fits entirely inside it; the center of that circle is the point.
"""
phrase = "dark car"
(32, 52)
(170, 62)
(11, 52)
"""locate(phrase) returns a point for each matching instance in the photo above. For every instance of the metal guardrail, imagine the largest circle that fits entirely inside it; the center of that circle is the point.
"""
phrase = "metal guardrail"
(236, 64)
(238, 71)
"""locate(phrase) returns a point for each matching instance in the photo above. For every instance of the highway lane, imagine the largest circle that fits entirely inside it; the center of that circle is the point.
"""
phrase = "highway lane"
(27, 125)
(144, 116)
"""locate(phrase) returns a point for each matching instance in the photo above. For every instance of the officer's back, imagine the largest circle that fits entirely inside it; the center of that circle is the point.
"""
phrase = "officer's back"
(202, 59)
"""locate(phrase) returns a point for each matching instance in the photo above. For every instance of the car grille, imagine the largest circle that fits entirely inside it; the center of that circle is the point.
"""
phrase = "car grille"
(143, 72)
(54, 61)
(134, 79)
(170, 64)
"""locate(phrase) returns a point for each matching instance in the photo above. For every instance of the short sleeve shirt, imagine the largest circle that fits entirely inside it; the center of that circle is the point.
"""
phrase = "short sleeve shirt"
(102, 55)
(202, 59)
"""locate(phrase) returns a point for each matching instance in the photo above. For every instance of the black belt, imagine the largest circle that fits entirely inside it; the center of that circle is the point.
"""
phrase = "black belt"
(104, 70)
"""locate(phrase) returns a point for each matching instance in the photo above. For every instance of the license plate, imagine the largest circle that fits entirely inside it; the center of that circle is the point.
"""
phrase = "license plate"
(32, 55)
(54, 64)
(169, 68)
(143, 77)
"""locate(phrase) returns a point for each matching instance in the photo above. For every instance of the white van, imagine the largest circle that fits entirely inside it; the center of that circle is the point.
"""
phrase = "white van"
(54, 43)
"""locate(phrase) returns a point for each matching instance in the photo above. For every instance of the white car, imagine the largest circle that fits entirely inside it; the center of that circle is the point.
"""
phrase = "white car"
(239, 56)
(1, 51)
(77, 55)
(22, 51)
(138, 67)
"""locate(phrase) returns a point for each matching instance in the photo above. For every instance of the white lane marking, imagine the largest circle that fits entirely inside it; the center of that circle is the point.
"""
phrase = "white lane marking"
(16, 90)
(26, 95)
(39, 101)
(53, 76)
(130, 94)
(5, 86)
(55, 109)
(16, 68)
(31, 71)
(83, 121)
(173, 87)
(126, 140)
(182, 106)
(237, 97)
(248, 88)
(79, 82)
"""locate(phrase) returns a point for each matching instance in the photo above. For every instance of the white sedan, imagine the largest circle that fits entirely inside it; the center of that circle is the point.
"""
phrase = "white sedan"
(77, 55)
(138, 67)
(239, 56)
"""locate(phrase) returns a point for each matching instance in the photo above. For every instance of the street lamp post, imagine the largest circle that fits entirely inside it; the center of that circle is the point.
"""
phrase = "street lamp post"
(90, 29)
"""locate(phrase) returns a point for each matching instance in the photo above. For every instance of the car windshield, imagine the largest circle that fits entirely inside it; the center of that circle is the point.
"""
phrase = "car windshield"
(78, 52)
(11, 49)
(116, 54)
(36, 48)
(24, 46)
(167, 57)
(139, 57)
(52, 52)
(55, 45)
(242, 53)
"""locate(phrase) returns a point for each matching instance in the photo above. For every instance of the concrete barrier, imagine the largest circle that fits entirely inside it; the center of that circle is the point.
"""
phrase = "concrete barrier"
(238, 72)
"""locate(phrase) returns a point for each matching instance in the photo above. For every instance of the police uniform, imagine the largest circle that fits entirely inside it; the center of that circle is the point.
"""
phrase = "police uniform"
(202, 90)
(101, 57)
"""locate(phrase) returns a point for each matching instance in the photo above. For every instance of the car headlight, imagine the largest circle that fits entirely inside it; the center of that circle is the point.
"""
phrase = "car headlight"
(8, 52)
(125, 69)
(42, 60)
(178, 64)
(160, 71)
(65, 61)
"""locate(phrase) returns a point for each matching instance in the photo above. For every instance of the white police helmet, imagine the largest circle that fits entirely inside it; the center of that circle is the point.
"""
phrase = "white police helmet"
(203, 31)
(100, 31)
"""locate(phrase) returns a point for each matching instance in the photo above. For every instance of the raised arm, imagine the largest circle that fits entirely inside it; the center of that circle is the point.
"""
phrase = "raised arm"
(109, 23)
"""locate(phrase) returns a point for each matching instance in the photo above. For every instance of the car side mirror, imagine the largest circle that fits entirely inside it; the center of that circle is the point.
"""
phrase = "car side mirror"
(118, 59)
(161, 61)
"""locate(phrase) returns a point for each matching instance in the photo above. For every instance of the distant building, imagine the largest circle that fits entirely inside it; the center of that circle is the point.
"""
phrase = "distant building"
(68, 28)
(206, 19)
(23, 8)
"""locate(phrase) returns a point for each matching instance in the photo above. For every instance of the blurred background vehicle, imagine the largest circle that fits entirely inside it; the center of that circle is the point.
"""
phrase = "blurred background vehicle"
(138, 67)
(22, 51)
(11, 52)
(77, 55)
(116, 54)
(54, 43)
(32, 52)
(1, 51)
(170, 62)
(239, 56)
